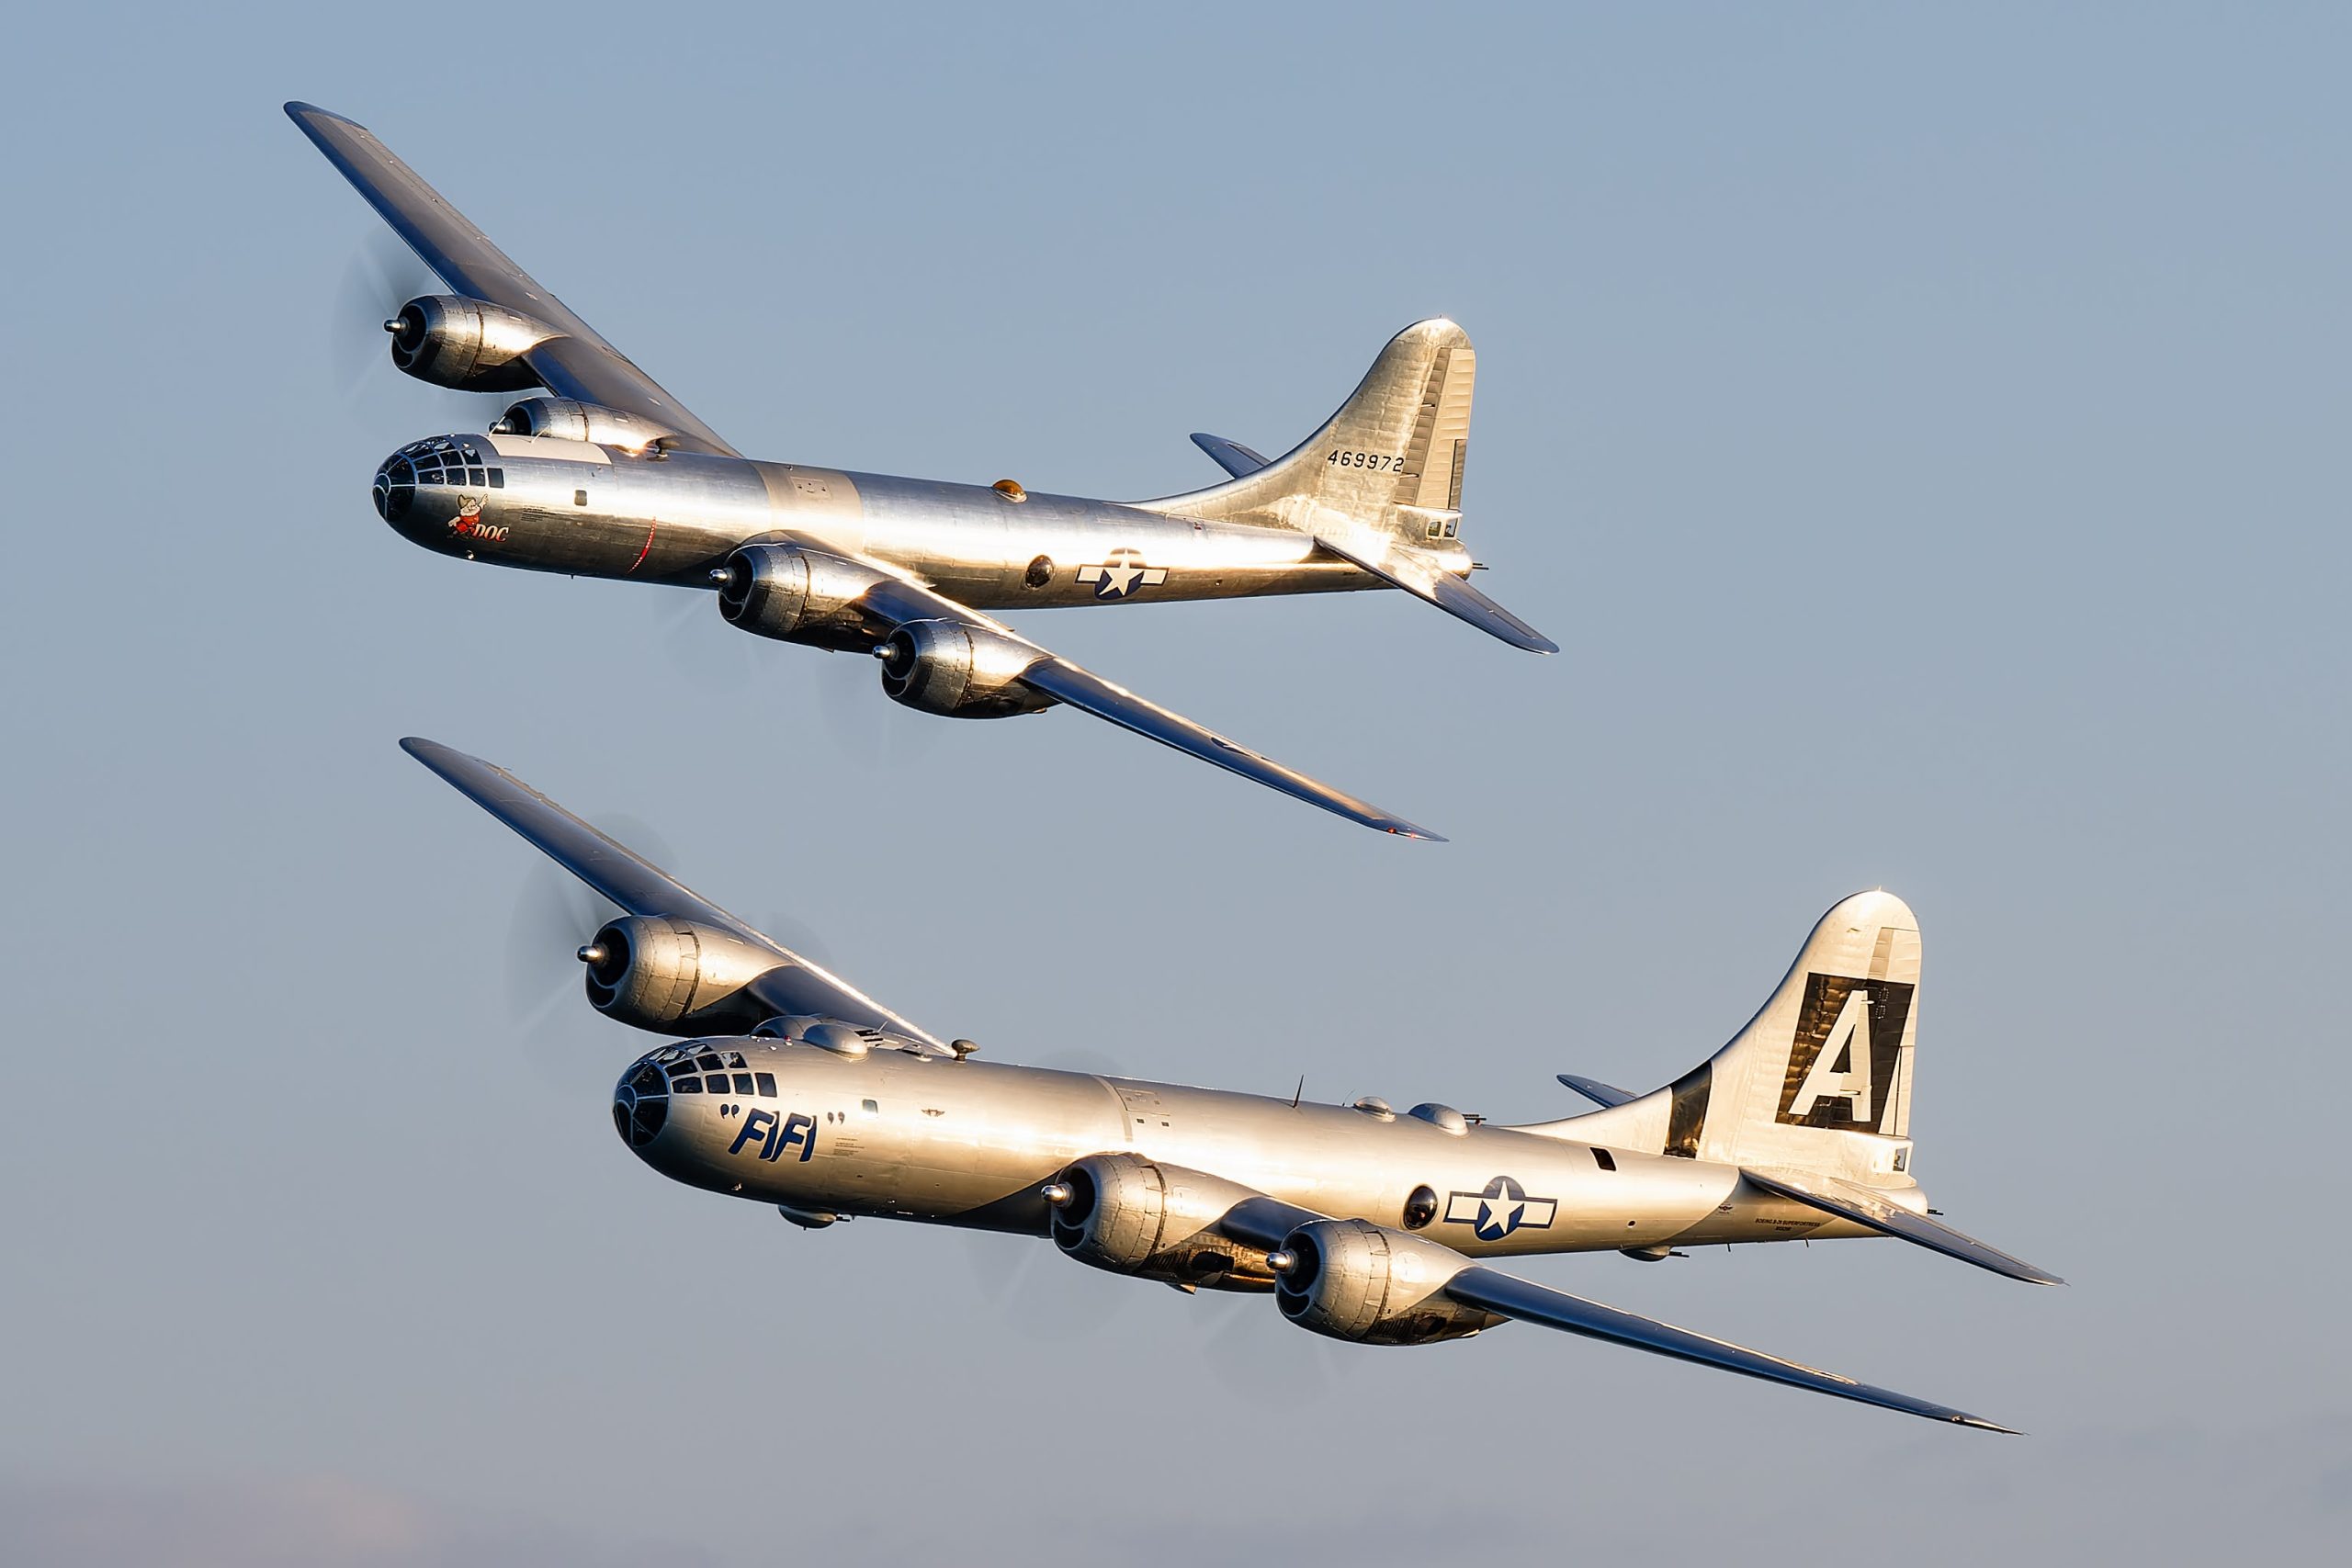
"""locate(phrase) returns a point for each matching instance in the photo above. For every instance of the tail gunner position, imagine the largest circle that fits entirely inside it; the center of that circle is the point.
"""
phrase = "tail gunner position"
(795, 1089)
(610, 477)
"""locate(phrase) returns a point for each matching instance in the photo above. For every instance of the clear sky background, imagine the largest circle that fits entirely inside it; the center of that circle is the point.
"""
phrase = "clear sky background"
(1923, 430)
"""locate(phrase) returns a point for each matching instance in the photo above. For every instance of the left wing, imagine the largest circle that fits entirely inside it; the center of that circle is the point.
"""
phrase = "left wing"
(1268, 1223)
(895, 599)
(794, 987)
(577, 362)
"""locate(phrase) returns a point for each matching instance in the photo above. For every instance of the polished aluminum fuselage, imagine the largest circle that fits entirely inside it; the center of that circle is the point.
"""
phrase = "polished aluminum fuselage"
(900, 1134)
(593, 511)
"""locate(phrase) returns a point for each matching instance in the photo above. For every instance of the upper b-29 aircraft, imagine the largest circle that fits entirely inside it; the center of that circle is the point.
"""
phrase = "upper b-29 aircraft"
(610, 476)
(794, 1088)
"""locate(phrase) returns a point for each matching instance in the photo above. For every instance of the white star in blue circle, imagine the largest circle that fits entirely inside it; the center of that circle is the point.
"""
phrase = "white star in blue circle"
(1501, 1204)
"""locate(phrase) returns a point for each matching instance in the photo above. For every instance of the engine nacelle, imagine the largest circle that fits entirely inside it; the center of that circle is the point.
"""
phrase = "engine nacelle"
(676, 978)
(466, 344)
(947, 667)
(1131, 1216)
(562, 419)
(1355, 1280)
(797, 595)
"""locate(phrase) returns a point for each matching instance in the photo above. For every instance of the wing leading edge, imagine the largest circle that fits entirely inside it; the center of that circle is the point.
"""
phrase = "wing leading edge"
(640, 887)
(895, 600)
(577, 363)
(1267, 1223)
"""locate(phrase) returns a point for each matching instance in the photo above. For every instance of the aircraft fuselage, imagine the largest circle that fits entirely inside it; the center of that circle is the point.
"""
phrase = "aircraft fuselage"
(591, 511)
(969, 1143)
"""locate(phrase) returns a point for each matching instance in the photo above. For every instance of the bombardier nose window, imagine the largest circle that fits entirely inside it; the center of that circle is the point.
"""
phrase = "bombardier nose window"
(442, 461)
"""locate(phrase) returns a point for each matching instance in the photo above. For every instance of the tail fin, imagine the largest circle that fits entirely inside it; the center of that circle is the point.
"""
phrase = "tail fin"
(1820, 1080)
(1390, 461)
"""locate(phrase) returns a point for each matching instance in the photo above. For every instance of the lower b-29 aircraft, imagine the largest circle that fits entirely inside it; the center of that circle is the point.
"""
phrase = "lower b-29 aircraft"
(610, 476)
(793, 1089)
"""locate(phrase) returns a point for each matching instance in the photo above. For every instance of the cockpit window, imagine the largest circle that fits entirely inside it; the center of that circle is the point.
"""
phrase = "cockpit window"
(709, 1063)
(686, 1086)
(767, 1085)
(734, 1058)
(744, 1084)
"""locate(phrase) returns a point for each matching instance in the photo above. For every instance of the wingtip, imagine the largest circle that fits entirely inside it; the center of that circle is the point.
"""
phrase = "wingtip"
(1407, 831)
(1983, 1425)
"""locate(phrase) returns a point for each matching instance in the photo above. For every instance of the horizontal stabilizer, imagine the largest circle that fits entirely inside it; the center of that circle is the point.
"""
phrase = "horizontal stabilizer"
(1865, 1207)
(1493, 1290)
(1231, 455)
(1601, 1094)
(1402, 567)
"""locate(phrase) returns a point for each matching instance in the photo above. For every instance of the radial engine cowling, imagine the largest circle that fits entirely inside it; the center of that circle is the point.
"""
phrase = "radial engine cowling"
(676, 978)
(797, 595)
(1132, 1216)
(562, 419)
(947, 667)
(475, 347)
(1352, 1280)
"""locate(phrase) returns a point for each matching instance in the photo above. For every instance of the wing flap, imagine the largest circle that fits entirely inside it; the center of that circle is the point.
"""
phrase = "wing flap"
(1865, 1207)
(640, 887)
(1509, 1296)
(1417, 574)
(578, 364)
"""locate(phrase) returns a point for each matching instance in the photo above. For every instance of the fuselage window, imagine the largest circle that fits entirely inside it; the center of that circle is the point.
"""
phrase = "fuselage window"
(1420, 1208)
(767, 1085)
(869, 1108)
(578, 498)
(1604, 1159)
(744, 1084)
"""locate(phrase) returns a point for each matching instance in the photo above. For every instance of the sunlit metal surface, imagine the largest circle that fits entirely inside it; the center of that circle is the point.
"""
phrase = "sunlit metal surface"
(1365, 1225)
(611, 477)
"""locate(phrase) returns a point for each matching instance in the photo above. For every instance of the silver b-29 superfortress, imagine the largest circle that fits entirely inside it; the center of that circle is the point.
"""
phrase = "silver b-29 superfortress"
(609, 476)
(795, 1089)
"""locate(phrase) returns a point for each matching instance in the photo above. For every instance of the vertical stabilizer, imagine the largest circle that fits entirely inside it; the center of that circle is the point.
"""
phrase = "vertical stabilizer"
(1389, 462)
(1820, 1080)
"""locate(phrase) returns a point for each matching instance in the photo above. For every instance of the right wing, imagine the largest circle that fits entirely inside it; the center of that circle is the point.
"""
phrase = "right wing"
(794, 987)
(577, 363)
(895, 599)
(1267, 1223)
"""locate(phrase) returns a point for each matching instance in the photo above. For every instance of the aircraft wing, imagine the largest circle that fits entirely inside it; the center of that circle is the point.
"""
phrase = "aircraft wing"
(1865, 1207)
(1268, 1222)
(794, 987)
(578, 363)
(895, 600)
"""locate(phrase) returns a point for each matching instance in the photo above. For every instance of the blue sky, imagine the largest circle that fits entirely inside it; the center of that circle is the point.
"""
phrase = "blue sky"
(1922, 430)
